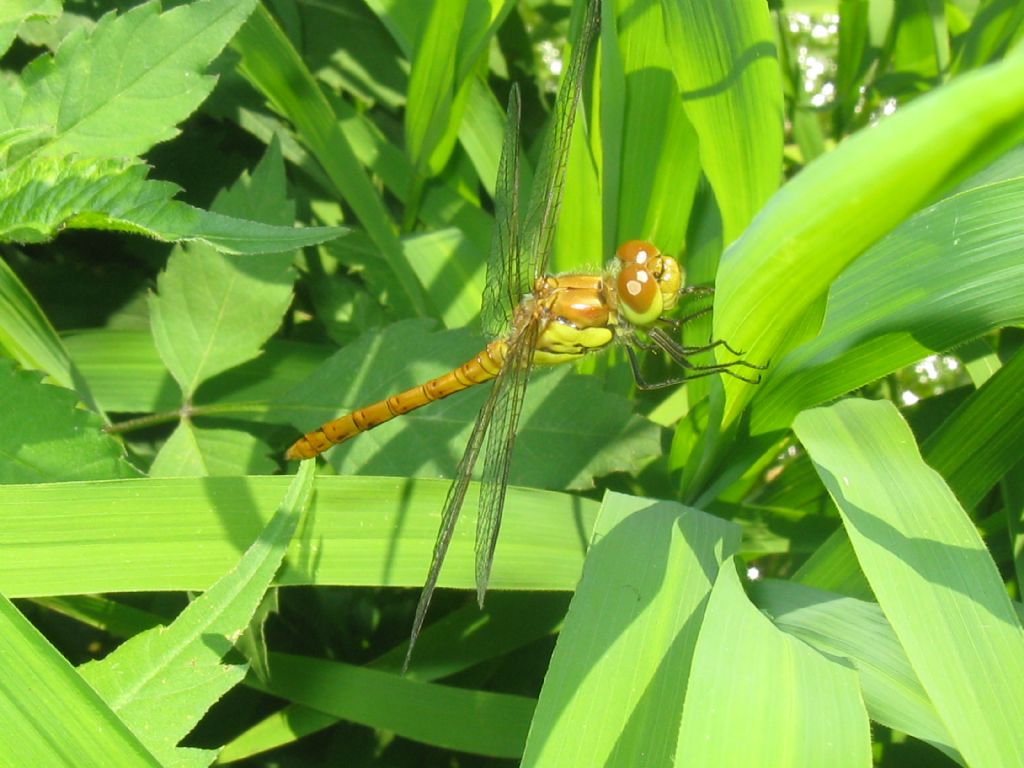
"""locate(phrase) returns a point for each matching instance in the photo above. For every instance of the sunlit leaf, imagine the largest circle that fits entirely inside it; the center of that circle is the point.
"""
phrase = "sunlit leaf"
(932, 575)
(620, 668)
(184, 533)
(64, 721)
(810, 230)
(163, 680)
(944, 277)
(151, 64)
(40, 198)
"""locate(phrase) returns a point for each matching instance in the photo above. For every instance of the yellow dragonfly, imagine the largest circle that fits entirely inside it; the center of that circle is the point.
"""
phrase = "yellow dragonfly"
(536, 319)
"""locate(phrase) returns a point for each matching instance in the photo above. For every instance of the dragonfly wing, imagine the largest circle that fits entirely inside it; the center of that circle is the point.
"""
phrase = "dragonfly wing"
(509, 389)
(453, 505)
(546, 194)
(503, 288)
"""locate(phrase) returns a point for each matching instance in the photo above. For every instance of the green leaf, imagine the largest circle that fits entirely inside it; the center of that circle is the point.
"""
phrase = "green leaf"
(844, 627)
(127, 374)
(793, 705)
(995, 24)
(981, 441)
(261, 196)
(570, 430)
(474, 721)
(274, 67)
(162, 681)
(811, 230)
(122, 87)
(725, 63)
(654, 190)
(454, 643)
(15, 12)
(51, 715)
(907, 298)
(194, 452)
(919, 43)
(433, 714)
(854, 58)
(930, 570)
(436, 98)
(213, 312)
(103, 613)
(439, 259)
(183, 534)
(42, 197)
(621, 663)
(27, 336)
(45, 437)
(285, 726)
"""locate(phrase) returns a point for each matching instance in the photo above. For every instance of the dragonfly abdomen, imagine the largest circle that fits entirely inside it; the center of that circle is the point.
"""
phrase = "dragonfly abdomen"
(480, 369)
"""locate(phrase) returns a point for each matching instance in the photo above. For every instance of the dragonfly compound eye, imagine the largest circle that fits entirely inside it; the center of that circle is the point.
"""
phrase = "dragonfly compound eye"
(637, 251)
(640, 298)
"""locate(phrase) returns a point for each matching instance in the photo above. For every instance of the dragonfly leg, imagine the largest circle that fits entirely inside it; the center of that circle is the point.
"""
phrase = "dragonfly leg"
(694, 372)
(699, 290)
(675, 323)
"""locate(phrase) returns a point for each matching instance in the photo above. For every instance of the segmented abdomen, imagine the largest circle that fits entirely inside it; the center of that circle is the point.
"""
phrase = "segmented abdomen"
(480, 369)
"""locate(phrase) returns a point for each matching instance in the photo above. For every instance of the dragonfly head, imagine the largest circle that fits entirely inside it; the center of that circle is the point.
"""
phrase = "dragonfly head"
(648, 282)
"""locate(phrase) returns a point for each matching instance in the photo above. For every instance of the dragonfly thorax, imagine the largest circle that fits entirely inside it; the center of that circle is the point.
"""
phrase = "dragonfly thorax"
(578, 313)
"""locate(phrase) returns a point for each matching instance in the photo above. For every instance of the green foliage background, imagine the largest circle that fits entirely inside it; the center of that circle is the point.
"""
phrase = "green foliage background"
(225, 222)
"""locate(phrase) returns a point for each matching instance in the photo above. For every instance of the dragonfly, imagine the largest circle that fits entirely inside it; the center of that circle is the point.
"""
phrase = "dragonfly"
(537, 319)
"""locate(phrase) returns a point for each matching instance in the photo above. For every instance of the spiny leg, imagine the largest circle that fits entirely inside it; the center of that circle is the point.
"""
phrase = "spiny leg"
(679, 354)
(697, 372)
(677, 323)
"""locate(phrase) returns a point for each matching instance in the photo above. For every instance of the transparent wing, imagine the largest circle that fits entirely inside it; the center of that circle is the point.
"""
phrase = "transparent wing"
(456, 496)
(502, 290)
(546, 194)
(508, 404)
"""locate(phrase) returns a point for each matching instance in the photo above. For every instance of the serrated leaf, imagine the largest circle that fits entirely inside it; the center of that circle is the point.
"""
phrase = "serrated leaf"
(261, 196)
(162, 681)
(212, 311)
(51, 716)
(191, 451)
(127, 374)
(14, 12)
(570, 431)
(42, 197)
(150, 64)
(45, 436)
